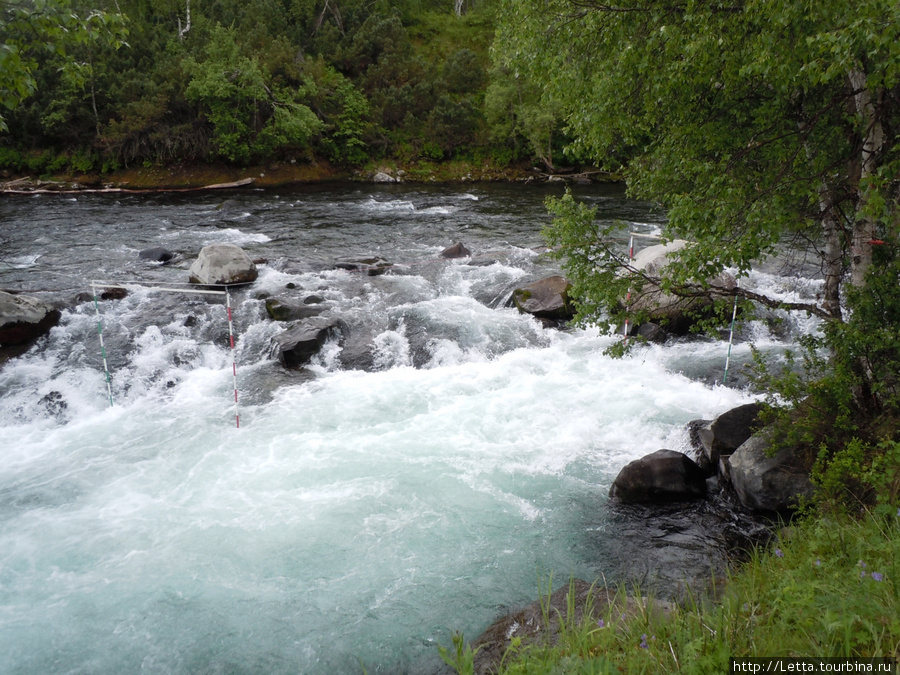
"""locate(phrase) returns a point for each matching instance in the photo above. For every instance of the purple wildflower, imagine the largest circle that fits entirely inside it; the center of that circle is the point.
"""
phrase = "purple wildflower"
(818, 563)
(877, 576)
(644, 641)
(862, 564)
(601, 623)
(779, 553)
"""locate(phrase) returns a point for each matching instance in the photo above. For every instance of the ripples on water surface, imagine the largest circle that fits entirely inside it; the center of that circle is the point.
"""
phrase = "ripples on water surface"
(420, 480)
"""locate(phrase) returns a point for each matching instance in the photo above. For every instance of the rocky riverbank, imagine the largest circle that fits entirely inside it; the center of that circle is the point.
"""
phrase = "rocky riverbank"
(184, 176)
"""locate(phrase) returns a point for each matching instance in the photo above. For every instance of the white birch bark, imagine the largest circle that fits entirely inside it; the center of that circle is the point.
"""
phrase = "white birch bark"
(864, 229)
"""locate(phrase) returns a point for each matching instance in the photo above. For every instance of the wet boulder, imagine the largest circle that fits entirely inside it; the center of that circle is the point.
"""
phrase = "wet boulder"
(662, 476)
(765, 482)
(297, 345)
(652, 332)
(24, 318)
(670, 311)
(222, 264)
(545, 299)
(728, 432)
(279, 310)
(156, 254)
(372, 267)
(457, 250)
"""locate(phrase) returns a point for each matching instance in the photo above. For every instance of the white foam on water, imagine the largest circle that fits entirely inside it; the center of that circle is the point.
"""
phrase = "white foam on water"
(361, 515)
(234, 236)
(392, 205)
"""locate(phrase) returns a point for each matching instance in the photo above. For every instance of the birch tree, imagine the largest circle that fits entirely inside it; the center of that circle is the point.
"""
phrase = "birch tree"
(748, 120)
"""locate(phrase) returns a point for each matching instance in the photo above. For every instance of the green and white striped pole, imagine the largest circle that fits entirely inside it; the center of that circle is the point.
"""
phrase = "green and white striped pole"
(730, 340)
(102, 346)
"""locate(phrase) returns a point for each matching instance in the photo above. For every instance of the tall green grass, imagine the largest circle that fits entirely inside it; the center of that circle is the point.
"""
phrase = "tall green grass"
(827, 587)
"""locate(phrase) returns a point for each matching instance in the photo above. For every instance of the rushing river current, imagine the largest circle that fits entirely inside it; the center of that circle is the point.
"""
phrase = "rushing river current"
(420, 479)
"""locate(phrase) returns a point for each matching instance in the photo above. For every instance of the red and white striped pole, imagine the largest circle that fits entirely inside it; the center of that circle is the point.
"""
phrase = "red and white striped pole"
(237, 416)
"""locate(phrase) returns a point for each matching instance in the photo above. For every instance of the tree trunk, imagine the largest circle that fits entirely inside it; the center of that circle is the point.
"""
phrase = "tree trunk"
(864, 229)
(187, 20)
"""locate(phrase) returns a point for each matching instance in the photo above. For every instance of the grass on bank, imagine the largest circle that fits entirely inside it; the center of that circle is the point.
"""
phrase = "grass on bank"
(828, 587)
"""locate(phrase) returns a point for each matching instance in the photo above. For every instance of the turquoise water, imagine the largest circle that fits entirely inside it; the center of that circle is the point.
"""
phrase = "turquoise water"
(360, 513)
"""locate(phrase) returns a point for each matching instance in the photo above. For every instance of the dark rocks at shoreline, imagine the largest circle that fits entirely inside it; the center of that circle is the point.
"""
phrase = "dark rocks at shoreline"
(662, 476)
(765, 482)
(540, 621)
(723, 436)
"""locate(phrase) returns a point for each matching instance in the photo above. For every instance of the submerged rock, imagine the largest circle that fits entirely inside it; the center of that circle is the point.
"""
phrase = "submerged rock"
(372, 267)
(222, 264)
(546, 299)
(278, 310)
(662, 476)
(24, 318)
(457, 250)
(156, 254)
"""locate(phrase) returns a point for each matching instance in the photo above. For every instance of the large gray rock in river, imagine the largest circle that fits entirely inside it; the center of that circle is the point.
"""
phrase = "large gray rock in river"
(768, 483)
(670, 311)
(545, 299)
(299, 344)
(23, 318)
(662, 476)
(222, 264)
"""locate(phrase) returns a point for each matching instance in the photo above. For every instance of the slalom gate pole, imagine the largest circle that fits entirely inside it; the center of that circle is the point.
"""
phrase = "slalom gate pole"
(237, 416)
(102, 346)
(730, 340)
(628, 295)
(169, 289)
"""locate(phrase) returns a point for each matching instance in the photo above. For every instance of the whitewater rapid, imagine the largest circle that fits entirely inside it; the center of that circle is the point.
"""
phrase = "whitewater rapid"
(359, 515)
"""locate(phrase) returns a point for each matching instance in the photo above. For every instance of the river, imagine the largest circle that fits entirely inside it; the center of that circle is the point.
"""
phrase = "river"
(430, 474)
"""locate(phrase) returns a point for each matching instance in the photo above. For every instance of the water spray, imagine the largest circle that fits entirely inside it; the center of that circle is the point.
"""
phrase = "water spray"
(171, 288)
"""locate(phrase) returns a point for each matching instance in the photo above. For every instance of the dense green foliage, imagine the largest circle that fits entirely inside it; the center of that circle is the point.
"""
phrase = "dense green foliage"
(748, 122)
(759, 126)
(245, 82)
(825, 589)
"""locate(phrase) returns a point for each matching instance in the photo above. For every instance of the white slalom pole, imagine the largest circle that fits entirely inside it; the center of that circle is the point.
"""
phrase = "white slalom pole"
(730, 340)
(628, 295)
(102, 346)
(237, 416)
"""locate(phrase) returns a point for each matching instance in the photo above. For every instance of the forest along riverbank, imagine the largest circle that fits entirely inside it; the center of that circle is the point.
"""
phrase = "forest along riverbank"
(360, 513)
